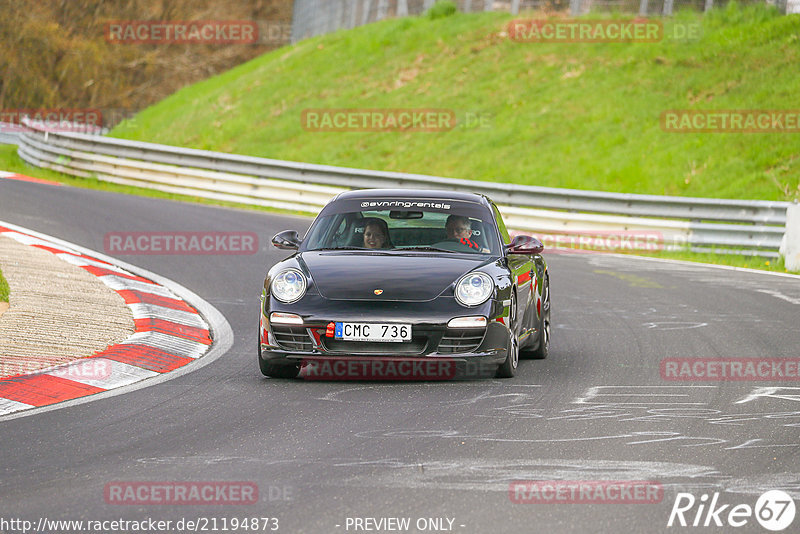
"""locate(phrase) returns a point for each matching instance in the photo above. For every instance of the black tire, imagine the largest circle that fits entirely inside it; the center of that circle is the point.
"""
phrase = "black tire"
(276, 370)
(509, 367)
(543, 349)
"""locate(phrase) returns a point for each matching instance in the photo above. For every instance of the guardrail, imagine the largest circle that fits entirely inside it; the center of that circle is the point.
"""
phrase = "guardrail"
(8, 134)
(750, 226)
(11, 133)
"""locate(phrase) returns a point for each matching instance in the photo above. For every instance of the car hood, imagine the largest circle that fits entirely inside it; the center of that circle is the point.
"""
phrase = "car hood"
(350, 275)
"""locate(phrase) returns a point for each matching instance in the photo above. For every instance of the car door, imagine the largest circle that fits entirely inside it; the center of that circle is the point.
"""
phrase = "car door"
(523, 276)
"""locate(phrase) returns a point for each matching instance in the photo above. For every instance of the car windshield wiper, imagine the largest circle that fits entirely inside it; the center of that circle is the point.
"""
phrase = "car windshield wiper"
(434, 249)
(342, 248)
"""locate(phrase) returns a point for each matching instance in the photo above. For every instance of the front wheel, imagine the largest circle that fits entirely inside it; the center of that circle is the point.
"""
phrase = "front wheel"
(544, 326)
(509, 367)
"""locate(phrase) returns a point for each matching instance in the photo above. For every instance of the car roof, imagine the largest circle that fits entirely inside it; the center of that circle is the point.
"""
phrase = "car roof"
(412, 194)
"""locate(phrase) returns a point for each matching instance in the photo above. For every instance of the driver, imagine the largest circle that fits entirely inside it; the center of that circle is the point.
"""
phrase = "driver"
(457, 227)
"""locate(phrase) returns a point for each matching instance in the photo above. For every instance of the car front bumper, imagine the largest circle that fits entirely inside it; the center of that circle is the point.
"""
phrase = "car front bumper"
(435, 351)
(428, 341)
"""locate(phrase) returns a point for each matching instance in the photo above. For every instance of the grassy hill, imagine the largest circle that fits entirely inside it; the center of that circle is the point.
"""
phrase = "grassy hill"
(578, 115)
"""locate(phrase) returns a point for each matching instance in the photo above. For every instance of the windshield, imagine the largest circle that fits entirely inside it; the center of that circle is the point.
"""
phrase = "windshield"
(468, 230)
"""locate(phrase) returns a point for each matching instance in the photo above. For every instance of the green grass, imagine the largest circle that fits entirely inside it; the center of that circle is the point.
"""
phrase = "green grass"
(575, 115)
(775, 265)
(4, 290)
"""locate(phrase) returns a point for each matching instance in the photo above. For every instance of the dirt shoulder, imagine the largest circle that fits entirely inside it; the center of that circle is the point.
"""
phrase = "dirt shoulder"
(58, 312)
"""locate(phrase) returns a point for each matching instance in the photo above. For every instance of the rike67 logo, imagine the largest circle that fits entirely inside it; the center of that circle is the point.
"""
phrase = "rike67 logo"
(774, 510)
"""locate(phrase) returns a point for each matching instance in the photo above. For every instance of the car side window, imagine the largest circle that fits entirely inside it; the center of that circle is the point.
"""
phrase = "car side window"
(501, 225)
(339, 238)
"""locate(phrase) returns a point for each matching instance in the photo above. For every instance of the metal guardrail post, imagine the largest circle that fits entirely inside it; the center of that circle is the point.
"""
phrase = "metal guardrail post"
(365, 9)
(667, 8)
(383, 9)
(709, 5)
(353, 6)
(515, 7)
(402, 8)
(642, 8)
(790, 248)
(575, 7)
(341, 14)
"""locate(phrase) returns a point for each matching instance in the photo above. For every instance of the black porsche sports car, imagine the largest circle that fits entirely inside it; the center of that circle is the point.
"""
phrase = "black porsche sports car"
(391, 283)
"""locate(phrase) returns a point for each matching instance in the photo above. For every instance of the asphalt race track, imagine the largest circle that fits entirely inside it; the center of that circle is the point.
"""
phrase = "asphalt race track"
(323, 452)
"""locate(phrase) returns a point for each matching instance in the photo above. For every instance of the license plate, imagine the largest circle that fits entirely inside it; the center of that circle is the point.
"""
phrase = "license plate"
(390, 333)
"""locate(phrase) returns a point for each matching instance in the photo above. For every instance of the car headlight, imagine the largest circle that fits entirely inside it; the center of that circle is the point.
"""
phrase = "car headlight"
(288, 286)
(473, 289)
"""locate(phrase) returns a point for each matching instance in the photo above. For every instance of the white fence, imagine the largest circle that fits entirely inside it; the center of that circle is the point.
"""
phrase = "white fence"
(316, 17)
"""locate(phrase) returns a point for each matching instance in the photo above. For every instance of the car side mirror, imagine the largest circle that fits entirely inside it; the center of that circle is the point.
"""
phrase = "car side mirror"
(525, 244)
(287, 240)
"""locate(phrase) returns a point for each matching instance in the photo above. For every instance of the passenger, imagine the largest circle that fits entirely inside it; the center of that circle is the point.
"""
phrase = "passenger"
(376, 234)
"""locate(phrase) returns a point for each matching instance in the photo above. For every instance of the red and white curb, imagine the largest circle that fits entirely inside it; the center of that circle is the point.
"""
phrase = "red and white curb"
(21, 177)
(170, 333)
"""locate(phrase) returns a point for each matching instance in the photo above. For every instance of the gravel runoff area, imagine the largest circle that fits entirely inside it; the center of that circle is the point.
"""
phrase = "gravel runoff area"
(58, 312)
